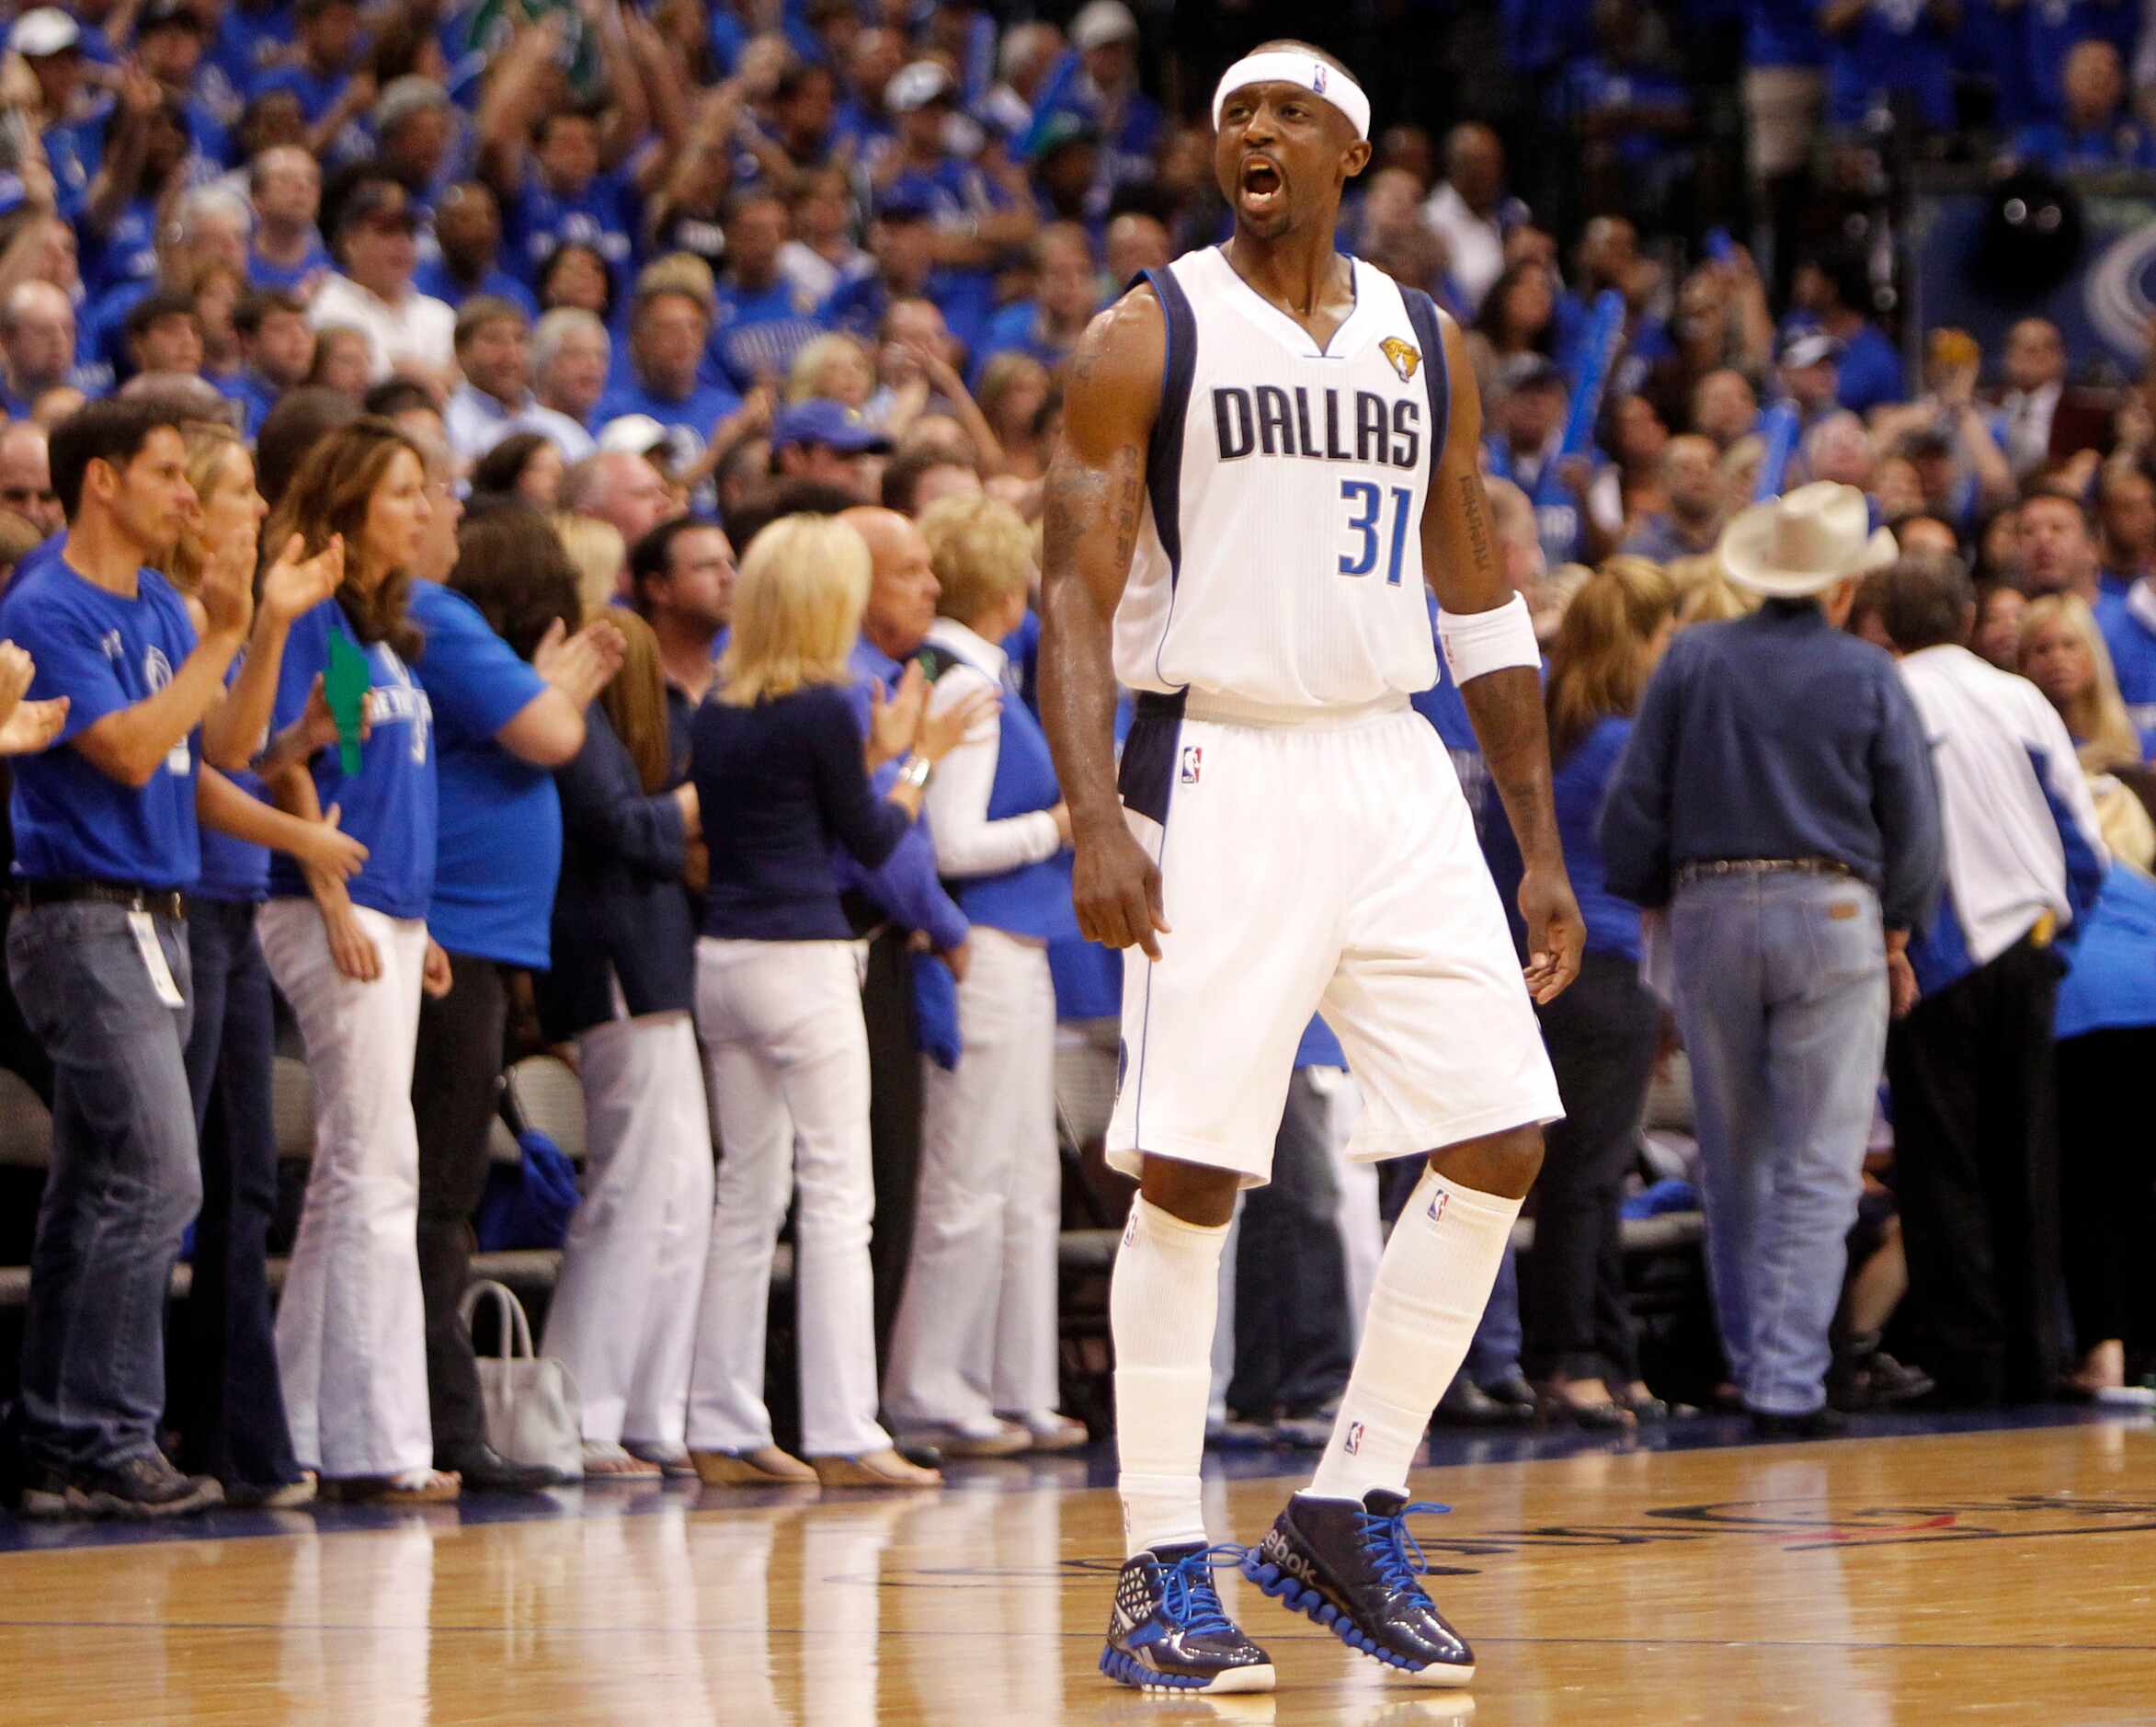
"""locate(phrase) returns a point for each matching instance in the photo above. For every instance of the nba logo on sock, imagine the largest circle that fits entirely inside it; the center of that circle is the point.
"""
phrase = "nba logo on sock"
(1437, 1206)
(1193, 758)
(1353, 1442)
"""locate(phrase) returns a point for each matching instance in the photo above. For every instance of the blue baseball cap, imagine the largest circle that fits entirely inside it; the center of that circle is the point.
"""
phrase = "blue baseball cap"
(820, 420)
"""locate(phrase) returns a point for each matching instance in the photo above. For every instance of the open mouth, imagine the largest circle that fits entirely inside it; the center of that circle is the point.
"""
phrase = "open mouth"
(1262, 185)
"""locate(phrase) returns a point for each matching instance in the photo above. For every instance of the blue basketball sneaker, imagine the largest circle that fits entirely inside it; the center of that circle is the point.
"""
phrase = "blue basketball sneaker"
(1169, 1632)
(1348, 1567)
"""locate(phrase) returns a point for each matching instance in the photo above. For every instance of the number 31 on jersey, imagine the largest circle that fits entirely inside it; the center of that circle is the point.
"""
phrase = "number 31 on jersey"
(1369, 522)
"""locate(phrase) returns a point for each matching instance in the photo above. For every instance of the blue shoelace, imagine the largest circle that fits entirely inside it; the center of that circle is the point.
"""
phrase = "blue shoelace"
(1397, 1553)
(1186, 1594)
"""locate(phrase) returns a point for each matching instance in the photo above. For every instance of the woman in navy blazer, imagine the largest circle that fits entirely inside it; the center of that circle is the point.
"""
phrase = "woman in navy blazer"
(623, 1316)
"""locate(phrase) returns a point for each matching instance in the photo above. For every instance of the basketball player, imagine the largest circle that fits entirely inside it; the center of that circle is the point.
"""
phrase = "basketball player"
(1266, 446)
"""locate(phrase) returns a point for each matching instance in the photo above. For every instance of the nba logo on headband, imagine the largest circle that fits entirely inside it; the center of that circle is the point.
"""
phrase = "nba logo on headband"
(1328, 83)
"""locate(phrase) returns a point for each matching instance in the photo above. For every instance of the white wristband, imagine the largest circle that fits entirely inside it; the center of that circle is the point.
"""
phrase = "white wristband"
(1479, 642)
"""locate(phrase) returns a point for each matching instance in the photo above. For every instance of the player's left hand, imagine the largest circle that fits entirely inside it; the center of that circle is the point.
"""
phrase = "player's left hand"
(1556, 932)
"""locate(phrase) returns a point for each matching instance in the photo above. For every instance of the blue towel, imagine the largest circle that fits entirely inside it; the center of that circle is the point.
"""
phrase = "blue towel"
(528, 1203)
(935, 1011)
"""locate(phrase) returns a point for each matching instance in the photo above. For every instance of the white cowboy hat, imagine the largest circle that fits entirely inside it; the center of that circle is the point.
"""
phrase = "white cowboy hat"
(1803, 543)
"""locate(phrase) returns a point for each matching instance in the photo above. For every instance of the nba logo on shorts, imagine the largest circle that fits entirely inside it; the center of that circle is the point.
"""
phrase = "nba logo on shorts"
(1353, 1442)
(1437, 1206)
(1193, 758)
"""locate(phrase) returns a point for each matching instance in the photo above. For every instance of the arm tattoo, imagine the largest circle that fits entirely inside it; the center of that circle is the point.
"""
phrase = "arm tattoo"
(1472, 508)
(1124, 484)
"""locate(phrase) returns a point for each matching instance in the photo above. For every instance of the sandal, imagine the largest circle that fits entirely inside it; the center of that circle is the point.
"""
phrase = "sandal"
(1602, 1414)
(672, 1460)
(766, 1465)
(416, 1487)
(606, 1461)
(271, 1496)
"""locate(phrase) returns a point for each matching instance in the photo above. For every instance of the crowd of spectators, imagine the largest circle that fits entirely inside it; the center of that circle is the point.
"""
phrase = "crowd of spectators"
(649, 409)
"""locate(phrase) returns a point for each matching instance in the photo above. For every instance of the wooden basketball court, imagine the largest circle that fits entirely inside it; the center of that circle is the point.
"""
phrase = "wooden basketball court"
(1866, 1580)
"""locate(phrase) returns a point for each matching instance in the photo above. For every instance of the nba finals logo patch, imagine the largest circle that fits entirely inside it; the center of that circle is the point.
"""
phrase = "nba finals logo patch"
(1193, 758)
(1405, 356)
(1437, 1206)
(1353, 1442)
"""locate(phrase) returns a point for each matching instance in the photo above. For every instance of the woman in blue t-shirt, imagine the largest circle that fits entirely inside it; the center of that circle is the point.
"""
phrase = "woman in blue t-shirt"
(1601, 1033)
(974, 1356)
(780, 773)
(352, 959)
(232, 1412)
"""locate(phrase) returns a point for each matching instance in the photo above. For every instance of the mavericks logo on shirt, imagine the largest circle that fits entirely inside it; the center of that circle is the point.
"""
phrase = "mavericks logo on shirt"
(156, 674)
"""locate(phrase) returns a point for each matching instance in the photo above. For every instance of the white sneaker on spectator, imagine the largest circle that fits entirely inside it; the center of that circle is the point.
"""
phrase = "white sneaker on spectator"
(995, 1439)
(1050, 1429)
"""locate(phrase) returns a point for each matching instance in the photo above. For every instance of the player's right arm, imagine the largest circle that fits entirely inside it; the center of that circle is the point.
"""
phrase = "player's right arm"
(1095, 499)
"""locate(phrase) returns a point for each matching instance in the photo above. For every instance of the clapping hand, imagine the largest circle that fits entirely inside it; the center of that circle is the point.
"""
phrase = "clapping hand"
(894, 719)
(26, 727)
(297, 584)
(942, 732)
(580, 666)
(228, 589)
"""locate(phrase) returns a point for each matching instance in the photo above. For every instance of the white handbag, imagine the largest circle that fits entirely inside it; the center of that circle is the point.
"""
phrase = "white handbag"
(534, 1413)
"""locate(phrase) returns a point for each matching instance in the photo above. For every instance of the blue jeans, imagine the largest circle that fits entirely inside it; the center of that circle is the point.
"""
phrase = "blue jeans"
(232, 1411)
(1782, 995)
(1493, 1352)
(123, 1185)
(1292, 1331)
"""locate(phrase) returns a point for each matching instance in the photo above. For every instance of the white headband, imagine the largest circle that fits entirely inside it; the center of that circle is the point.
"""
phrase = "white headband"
(1329, 83)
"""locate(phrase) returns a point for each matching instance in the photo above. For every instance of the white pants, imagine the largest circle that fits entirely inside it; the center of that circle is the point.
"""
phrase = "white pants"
(787, 1061)
(351, 1342)
(623, 1317)
(976, 1324)
(1326, 865)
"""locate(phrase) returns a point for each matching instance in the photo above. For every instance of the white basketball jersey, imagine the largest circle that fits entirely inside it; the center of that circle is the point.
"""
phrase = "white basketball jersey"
(1280, 555)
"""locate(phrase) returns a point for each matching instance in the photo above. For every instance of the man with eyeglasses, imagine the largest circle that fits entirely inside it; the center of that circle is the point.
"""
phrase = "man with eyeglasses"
(25, 476)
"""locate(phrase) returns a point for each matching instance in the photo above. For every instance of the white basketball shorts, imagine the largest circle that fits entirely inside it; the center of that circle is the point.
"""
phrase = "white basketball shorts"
(1324, 866)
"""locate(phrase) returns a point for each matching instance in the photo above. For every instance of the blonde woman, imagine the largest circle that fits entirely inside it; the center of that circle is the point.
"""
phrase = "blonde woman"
(231, 1410)
(836, 367)
(1015, 388)
(779, 766)
(1601, 1033)
(973, 1351)
(2106, 1035)
(2062, 653)
(599, 553)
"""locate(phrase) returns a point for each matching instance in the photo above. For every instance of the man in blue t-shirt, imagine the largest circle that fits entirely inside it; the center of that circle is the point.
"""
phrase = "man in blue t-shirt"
(1890, 52)
(977, 216)
(332, 97)
(2096, 129)
(764, 319)
(106, 844)
(1831, 291)
(669, 333)
(501, 727)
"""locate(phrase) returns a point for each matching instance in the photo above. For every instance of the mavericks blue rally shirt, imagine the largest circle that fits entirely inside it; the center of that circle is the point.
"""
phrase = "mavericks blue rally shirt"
(500, 817)
(388, 805)
(104, 653)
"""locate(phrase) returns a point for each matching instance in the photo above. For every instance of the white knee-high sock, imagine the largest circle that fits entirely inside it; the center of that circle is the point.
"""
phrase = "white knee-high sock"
(1431, 1286)
(1161, 1303)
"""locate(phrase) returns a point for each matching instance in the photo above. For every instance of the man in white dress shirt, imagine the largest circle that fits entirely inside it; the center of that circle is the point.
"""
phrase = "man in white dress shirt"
(494, 351)
(377, 250)
(1470, 211)
(1975, 1113)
